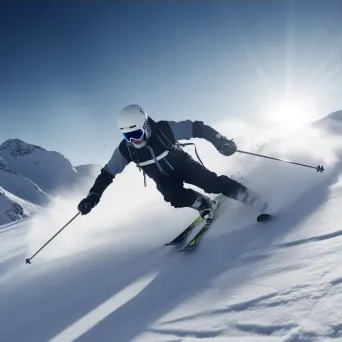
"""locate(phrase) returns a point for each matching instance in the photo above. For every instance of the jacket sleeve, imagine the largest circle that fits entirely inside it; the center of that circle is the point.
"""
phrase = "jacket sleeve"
(194, 129)
(115, 166)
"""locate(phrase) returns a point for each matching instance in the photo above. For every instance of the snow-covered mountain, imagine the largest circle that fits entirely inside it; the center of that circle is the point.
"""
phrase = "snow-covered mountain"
(331, 123)
(21, 186)
(13, 208)
(20, 197)
(50, 170)
(336, 116)
(35, 175)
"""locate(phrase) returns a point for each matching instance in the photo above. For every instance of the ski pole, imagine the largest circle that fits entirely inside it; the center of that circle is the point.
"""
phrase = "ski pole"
(28, 260)
(318, 168)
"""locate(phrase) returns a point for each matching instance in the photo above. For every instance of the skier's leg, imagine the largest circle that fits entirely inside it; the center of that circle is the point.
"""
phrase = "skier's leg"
(179, 197)
(195, 173)
(174, 192)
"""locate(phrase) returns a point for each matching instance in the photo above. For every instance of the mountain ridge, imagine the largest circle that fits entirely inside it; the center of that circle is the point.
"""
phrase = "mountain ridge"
(35, 175)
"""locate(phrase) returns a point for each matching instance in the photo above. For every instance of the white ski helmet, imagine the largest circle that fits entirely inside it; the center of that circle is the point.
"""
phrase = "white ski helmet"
(133, 123)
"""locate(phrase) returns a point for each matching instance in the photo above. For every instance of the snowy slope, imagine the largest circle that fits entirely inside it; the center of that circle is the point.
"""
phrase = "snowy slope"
(19, 196)
(13, 208)
(108, 277)
(49, 170)
(21, 186)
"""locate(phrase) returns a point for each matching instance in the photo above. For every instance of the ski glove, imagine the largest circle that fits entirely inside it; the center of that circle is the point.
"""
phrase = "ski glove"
(225, 146)
(88, 203)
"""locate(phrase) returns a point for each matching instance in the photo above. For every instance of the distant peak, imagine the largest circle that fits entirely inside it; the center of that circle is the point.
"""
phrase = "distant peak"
(336, 115)
(17, 147)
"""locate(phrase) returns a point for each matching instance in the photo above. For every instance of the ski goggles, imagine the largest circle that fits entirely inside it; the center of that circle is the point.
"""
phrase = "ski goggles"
(135, 135)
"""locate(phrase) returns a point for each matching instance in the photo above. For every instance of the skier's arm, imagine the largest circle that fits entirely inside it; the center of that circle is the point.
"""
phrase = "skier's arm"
(197, 129)
(116, 165)
(194, 129)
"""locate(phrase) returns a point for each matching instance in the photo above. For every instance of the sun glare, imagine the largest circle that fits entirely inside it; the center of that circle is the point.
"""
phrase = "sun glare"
(291, 113)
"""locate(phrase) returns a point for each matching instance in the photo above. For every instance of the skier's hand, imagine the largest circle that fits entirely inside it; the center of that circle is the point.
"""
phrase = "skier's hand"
(225, 146)
(88, 203)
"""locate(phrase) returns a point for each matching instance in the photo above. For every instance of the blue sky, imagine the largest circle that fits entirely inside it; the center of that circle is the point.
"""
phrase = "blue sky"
(67, 68)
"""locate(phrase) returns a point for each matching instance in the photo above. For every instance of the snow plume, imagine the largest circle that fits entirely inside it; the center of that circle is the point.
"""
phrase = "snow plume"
(278, 182)
(125, 210)
(281, 183)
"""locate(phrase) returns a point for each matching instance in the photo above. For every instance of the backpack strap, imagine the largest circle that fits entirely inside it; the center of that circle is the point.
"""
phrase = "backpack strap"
(198, 157)
(177, 144)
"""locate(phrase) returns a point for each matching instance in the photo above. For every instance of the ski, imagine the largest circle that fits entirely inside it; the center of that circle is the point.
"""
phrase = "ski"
(185, 233)
(194, 242)
(197, 238)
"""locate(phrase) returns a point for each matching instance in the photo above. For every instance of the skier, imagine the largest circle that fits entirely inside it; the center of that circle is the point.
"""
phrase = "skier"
(154, 147)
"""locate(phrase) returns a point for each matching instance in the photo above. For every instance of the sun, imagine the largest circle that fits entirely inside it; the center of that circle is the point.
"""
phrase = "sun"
(291, 113)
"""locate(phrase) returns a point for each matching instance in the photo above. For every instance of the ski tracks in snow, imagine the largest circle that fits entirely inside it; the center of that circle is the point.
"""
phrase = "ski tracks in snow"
(233, 319)
(298, 283)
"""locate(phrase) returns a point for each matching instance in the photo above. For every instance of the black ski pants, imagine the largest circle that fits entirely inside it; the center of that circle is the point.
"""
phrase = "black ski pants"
(191, 172)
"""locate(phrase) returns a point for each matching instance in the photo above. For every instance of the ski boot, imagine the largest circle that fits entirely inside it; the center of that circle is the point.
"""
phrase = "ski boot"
(206, 207)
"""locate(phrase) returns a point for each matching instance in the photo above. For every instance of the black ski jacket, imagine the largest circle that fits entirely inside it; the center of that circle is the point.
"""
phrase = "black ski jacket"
(161, 155)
